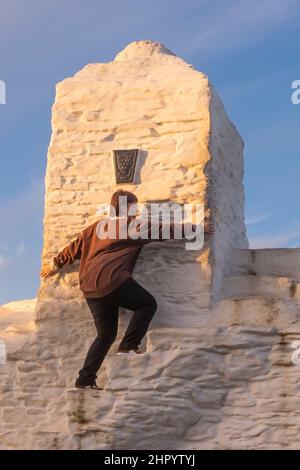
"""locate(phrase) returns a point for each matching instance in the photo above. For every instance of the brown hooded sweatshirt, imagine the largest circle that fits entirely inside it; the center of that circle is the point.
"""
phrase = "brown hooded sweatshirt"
(105, 263)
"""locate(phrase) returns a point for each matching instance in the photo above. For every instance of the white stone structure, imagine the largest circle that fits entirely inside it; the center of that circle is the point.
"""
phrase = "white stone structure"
(217, 371)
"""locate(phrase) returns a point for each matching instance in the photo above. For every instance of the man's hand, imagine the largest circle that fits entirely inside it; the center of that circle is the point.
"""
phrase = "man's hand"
(208, 227)
(47, 270)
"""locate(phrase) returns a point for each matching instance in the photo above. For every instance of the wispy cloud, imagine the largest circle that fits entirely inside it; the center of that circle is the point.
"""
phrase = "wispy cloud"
(4, 261)
(264, 235)
(256, 219)
(236, 23)
(21, 221)
(21, 242)
(20, 250)
(287, 239)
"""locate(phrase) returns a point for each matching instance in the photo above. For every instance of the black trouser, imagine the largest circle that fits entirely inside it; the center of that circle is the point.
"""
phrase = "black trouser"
(130, 295)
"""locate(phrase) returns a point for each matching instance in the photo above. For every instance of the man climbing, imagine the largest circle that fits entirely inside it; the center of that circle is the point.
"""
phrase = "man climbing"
(105, 278)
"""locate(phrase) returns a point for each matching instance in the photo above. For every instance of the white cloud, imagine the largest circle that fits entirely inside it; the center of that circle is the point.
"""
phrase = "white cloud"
(7, 260)
(20, 250)
(4, 261)
(281, 240)
(20, 217)
(256, 219)
(236, 23)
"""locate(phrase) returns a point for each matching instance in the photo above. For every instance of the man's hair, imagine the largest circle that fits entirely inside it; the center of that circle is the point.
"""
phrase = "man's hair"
(131, 198)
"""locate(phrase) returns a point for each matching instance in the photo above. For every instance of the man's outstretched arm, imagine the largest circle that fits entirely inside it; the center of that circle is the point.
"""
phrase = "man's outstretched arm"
(64, 258)
(186, 227)
(168, 231)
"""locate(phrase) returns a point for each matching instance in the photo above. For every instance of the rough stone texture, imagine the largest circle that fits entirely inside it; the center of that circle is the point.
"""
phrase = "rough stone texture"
(217, 371)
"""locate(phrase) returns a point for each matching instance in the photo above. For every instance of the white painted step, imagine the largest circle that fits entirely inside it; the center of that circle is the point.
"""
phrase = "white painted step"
(245, 286)
(278, 262)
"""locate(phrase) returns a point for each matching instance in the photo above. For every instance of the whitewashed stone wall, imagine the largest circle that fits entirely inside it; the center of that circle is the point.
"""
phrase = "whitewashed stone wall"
(225, 172)
(217, 372)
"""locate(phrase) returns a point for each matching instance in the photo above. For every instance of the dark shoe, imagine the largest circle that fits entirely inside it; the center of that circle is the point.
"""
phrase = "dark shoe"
(88, 387)
(121, 352)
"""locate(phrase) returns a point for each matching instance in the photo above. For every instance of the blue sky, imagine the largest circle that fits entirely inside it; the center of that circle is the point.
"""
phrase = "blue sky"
(249, 50)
